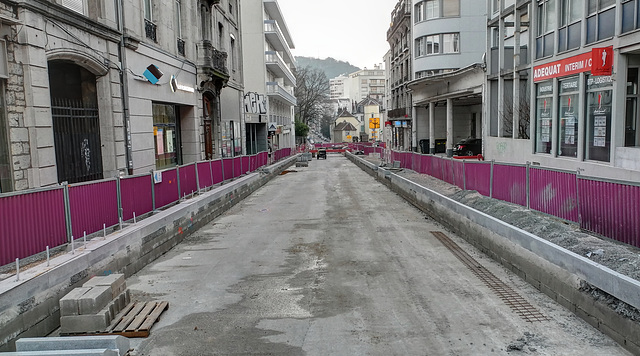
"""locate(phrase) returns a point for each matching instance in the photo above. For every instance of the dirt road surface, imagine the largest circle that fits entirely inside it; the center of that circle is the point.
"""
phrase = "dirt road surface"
(324, 260)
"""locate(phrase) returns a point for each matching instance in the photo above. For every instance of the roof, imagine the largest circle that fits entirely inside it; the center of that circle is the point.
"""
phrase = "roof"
(369, 101)
(344, 126)
(345, 113)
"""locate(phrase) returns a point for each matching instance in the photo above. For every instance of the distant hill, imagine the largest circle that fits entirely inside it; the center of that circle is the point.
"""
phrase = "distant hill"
(331, 67)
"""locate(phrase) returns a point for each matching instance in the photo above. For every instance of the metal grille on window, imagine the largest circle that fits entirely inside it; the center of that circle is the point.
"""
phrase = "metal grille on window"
(150, 30)
(181, 47)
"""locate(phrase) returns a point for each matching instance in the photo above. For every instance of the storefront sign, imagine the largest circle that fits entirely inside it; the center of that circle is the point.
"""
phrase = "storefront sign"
(602, 61)
(572, 65)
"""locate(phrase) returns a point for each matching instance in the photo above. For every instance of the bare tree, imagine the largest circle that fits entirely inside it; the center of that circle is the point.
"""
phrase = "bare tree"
(312, 94)
(524, 113)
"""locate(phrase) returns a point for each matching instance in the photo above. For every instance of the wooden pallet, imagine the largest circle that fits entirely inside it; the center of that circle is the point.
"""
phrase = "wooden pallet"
(136, 319)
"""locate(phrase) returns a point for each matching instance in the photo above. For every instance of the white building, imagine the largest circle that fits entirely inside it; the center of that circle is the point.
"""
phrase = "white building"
(268, 72)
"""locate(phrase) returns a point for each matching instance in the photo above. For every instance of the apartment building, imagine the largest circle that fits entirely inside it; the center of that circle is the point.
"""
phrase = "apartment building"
(578, 76)
(449, 42)
(268, 72)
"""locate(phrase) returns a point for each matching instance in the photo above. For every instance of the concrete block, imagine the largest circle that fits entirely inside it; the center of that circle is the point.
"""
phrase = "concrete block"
(95, 299)
(69, 303)
(115, 281)
(85, 323)
(96, 352)
(111, 342)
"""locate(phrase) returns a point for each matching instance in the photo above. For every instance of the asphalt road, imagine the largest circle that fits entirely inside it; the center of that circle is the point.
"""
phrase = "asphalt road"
(324, 260)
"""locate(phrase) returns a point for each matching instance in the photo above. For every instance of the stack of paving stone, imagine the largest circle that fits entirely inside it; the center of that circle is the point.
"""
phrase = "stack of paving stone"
(104, 345)
(90, 308)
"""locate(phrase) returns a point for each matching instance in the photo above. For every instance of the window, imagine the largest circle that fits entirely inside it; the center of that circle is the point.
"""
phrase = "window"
(147, 10)
(599, 98)
(232, 53)
(432, 9)
(419, 12)
(570, 24)
(451, 43)
(149, 26)
(632, 118)
(220, 36)
(178, 22)
(546, 26)
(438, 44)
(630, 14)
(568, 114)
(544, 117)
(451, 8)
(6, 180)
(601, 16)
(166, 135)
(433, 44)
(75, 5)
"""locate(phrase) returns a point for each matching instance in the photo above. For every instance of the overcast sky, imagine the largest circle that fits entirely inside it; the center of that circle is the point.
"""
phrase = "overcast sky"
(353, 31)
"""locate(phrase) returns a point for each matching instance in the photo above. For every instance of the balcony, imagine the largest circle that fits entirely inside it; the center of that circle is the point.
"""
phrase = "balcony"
(212, 63)
(150, 30)
(276, 90)
(276, 64)
(399, 112)
(276, 38)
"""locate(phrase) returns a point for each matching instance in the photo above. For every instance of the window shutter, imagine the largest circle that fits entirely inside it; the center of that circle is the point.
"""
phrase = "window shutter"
(75, 5)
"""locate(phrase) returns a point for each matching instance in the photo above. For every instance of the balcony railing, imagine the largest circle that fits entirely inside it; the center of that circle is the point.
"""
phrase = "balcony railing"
(281, 68)
(150, 30)
(180, 46)
(213, 60)
(276, 37)
(399, 112)
(273, 88)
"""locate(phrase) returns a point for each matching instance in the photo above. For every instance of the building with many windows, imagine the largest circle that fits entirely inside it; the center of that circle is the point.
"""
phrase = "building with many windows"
(448, 42)
(578, 85)
(268, 72)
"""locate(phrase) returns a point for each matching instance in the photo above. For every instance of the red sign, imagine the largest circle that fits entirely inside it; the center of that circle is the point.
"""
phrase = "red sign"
(602, 61)
(568, 66)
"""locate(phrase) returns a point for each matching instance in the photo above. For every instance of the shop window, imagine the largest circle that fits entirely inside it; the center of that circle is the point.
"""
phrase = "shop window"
(632, 117)
(570, 24)
(601, 24)
(166, 135)
(568, 115)
(546, 26)
(630, 14)
(544, 117)
(599, 98)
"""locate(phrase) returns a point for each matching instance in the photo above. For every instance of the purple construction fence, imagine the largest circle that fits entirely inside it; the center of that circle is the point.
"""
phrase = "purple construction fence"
(188, 180)
(554, 193)
(136, 196)
(31, 221)
(205, 177)
(477, 176)
(93, 206)
(610, 209)
(510, 183)
(166, 192)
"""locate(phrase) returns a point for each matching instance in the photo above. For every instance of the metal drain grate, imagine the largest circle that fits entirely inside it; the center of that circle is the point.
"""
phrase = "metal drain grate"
(510, 297)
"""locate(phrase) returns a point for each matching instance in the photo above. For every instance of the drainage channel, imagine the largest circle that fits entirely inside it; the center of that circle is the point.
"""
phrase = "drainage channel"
(510, 297)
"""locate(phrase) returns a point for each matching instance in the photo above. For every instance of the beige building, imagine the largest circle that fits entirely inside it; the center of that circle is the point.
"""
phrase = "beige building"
(355, 125)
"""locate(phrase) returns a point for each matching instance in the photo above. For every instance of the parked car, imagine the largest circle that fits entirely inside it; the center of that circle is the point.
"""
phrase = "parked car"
(322, 153)
(468, 147)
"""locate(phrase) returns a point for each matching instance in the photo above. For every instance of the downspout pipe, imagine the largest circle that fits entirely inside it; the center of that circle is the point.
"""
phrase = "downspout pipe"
(124, 87)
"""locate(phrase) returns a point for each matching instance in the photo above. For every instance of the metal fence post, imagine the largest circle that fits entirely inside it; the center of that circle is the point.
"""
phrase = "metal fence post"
(578, 197)
(528, 185)
(178, 180)
(67, 211)
(491, 180)
(197, 177)
(153, 191)
(119, 192)
(464, 175)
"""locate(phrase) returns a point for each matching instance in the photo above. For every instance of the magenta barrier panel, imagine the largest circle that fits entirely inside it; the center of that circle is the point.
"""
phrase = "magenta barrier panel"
(368, 150)
(204, 174)
(188, 180)
(30, 222)
(554, 193)
(436, 167)
(246, 164)
(510, 183)
(406, 160)
(216, 169)
(93, 205)
(417, 162)
(458, 173)
(136, 196)
(227, 168)
(166, 192)
(253, 163)
(237, 167)
(447, 171)
(610, 209)
(477, 177)
(380, 151)
(425, 164)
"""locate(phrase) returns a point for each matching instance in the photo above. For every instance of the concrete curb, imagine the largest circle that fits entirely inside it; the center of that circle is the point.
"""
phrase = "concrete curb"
(552, 269)
(30, 307)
